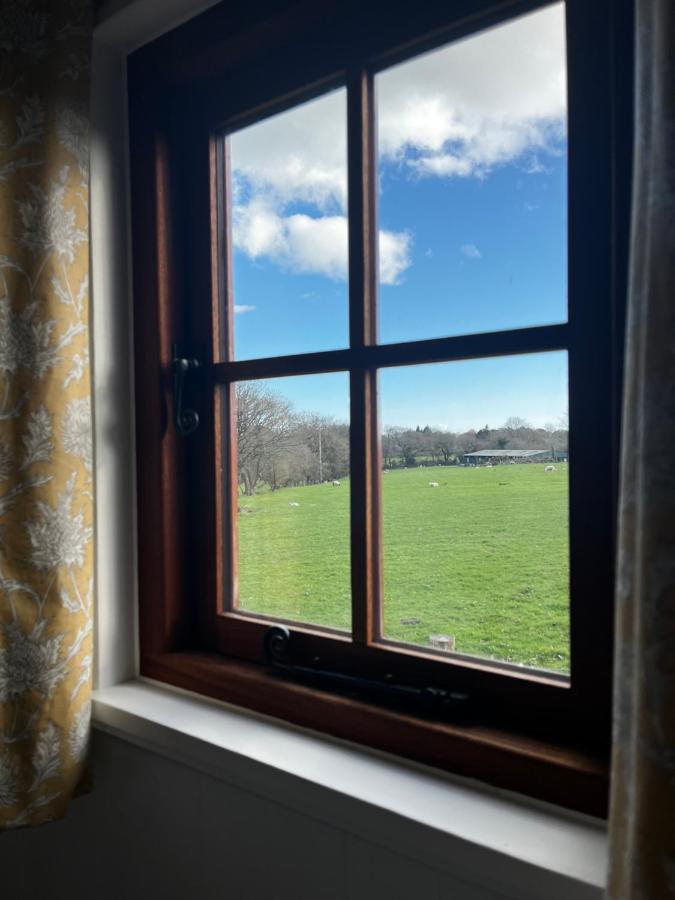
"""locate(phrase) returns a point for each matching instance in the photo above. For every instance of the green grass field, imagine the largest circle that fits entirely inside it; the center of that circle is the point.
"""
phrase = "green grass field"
(483, 557)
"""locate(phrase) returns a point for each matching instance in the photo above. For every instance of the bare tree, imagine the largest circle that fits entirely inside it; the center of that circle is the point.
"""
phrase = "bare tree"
(445, 444)
(328, 442)
(515, 423)
(266, 426)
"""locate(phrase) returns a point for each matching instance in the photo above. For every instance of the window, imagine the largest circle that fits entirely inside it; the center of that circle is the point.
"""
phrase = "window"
(378, 356)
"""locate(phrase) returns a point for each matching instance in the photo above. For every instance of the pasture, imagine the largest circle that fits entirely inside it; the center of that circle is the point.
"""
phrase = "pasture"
(483, 556)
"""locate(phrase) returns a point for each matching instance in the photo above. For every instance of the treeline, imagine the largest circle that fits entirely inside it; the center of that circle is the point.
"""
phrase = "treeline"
(440, 447)
(279, 447)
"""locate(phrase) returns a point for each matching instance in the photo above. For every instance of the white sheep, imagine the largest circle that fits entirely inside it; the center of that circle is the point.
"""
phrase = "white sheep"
(549, 469)
(488, 465)
(433, 484)
(293, 503)
(336, 484)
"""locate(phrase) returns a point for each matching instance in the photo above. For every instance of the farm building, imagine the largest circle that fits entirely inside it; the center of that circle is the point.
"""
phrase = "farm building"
(479, 457)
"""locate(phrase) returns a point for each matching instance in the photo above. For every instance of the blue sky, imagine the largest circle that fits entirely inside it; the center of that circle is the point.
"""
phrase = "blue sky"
(472, 218)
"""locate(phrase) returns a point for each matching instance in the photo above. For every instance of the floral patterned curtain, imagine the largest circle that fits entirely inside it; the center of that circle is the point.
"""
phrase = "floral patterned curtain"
(46, 499)
(642, 819)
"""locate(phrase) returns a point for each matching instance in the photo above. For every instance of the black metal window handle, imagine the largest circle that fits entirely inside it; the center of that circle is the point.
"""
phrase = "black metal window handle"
(186, 420)
(453, 705)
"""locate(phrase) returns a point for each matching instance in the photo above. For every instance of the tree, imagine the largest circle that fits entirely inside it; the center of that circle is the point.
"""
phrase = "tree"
(515, 423)
(467, 442)
(410, 446)
(445, 444)
(328, 442)
(390, 448)
(266, 426)
(483, 436)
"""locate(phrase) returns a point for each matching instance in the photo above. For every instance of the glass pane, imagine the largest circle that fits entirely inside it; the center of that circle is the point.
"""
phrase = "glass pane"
(475, 508)
(293, 503)
(472, 174)
(289, 214)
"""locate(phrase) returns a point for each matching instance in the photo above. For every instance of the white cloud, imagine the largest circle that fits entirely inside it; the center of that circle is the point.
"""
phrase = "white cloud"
(394, 251)
(296, 156)
(534, 167)
(240, 308)
(478, 103)
(313, 245)
(470, 251)
(495, 98)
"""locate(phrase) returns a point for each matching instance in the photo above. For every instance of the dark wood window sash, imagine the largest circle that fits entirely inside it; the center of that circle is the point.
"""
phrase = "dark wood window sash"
(179, 510)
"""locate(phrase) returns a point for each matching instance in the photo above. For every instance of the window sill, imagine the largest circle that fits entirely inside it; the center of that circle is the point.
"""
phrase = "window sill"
(498, 841)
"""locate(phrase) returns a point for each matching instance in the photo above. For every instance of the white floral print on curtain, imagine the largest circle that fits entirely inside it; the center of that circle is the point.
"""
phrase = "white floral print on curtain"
(46, 490)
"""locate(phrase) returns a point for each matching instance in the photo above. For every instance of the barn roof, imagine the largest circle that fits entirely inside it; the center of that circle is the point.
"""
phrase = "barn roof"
(507, 453)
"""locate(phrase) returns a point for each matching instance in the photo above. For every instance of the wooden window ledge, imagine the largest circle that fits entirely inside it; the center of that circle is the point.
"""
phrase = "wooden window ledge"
(488, 838)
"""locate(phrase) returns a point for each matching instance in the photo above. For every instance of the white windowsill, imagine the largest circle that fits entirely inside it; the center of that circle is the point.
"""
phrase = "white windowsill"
(489, 839)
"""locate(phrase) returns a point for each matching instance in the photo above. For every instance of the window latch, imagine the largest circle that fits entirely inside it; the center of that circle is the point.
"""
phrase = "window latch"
(186, 420)
(454, 705)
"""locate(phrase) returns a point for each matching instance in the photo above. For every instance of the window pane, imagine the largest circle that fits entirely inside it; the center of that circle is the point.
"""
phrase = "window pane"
(475, 508)
(289, 214)
(472, 174)
(293, 501)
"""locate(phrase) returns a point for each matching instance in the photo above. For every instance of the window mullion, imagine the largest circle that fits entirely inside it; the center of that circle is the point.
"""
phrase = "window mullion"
(364, 439)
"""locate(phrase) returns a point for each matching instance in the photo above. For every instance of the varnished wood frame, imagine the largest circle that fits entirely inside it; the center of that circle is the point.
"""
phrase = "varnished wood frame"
(180, 516)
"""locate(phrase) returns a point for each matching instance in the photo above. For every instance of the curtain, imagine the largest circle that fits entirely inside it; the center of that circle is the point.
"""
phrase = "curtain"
(642, 815)
(46, 488)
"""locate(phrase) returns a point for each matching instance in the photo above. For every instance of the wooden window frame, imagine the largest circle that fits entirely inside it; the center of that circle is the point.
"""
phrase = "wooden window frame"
(528, 731)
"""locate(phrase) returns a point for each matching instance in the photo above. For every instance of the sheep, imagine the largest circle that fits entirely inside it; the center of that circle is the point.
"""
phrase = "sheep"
(549, 469)
(433, 484)
(293, 503)
(336, 484)
(488, 465)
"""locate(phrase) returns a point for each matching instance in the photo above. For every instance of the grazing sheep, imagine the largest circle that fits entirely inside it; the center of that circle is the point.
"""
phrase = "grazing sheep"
(336, 484)
(293, 503)
(433, 484)
(488, 465)
(549, 469)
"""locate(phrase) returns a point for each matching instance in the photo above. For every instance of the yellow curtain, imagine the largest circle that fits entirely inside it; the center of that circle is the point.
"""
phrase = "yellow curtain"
(46, 486)
(642, 817)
